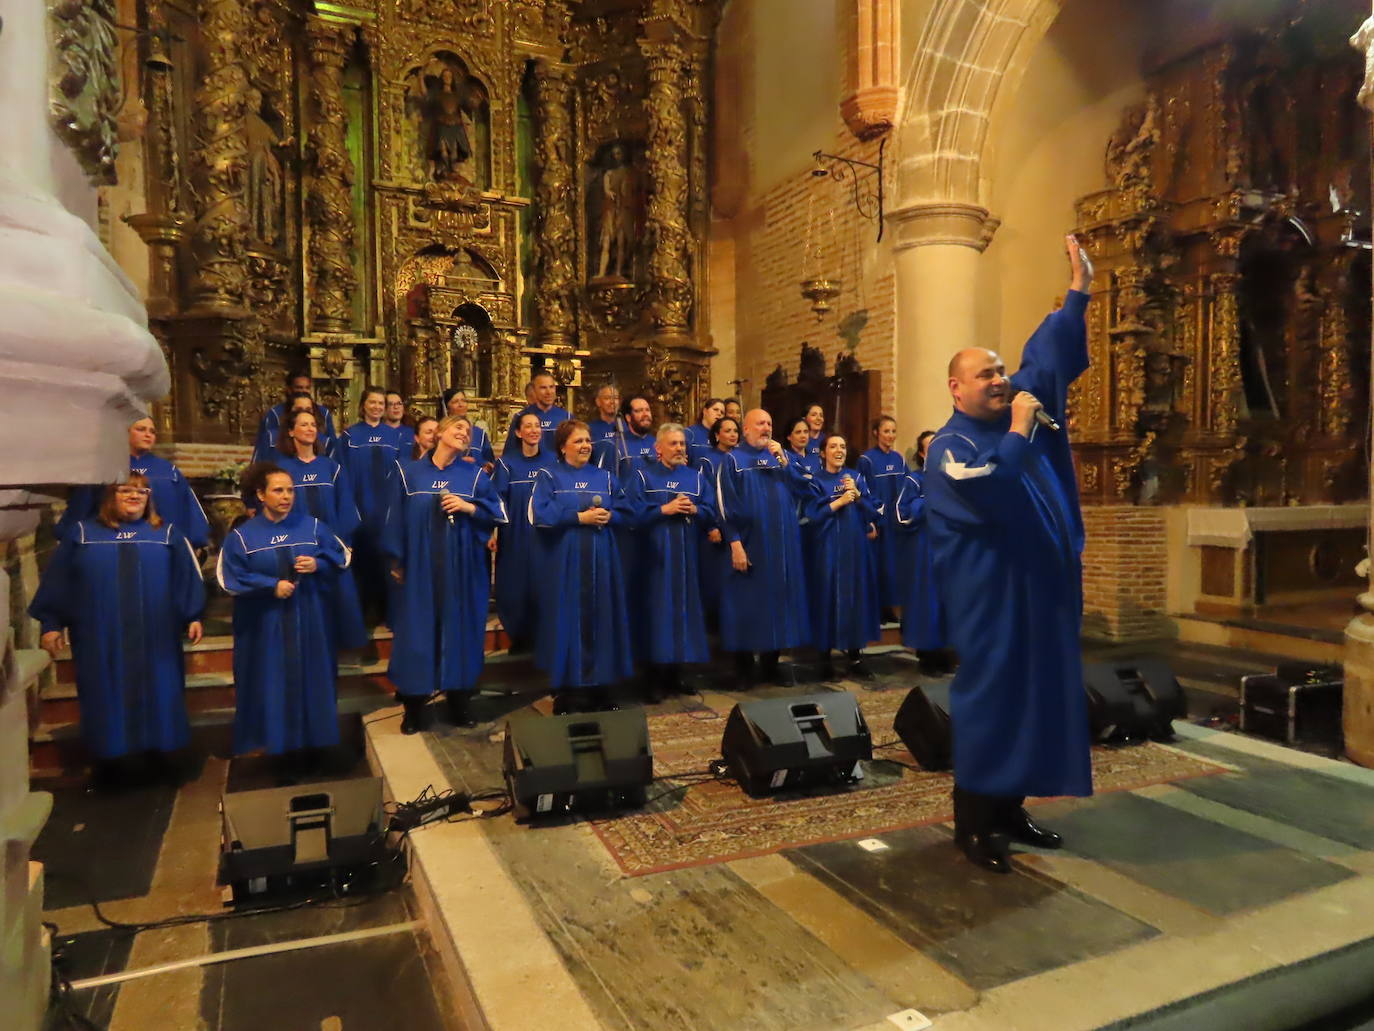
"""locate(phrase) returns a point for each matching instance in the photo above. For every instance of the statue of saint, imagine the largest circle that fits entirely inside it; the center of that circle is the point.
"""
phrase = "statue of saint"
(449, 146)
(266, 181)
(615, 227)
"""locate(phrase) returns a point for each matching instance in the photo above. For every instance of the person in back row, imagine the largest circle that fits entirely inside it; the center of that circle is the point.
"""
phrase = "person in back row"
(297, 381)
(173, 498)
(545, 404)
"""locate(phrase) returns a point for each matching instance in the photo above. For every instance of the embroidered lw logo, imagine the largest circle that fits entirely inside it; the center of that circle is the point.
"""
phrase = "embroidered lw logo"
(279, 538)
(141, 472)
(672, 484)
(582, 486)
(309, 477)
(374, 440)
(127, 536)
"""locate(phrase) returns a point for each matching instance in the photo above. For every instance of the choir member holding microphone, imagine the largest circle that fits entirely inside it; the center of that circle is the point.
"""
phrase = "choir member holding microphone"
(124, 586)
(584, 638)
(441, 515)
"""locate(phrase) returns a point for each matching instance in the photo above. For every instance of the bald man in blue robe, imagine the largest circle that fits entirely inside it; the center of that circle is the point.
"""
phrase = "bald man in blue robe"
(1007, 539)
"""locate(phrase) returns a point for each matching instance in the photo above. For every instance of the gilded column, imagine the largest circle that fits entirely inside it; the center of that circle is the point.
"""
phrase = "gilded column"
(1224, 361)
(328, 200)
(219, 160)
(670, 286)
(555, 240)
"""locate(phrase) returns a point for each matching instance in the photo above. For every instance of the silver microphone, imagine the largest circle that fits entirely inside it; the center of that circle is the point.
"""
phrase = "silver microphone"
(1046, 420)
(596, 503)
(442, 495)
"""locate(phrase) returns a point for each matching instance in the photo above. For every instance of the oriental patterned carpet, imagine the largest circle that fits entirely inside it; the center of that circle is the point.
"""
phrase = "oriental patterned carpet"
(692, 819)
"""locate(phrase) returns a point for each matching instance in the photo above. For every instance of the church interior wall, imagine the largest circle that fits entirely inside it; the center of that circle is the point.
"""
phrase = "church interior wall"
(778, 95)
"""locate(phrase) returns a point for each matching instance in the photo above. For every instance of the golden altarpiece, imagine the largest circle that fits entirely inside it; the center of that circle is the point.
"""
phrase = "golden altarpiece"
(424, 194)
(1230, 341)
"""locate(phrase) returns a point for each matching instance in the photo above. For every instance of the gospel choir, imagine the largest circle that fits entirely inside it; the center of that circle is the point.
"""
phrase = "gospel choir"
(615, 546)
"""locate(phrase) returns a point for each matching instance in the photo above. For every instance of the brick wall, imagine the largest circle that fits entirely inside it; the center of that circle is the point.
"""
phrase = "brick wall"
(802, 226)
(197, 461)
(1125, 573)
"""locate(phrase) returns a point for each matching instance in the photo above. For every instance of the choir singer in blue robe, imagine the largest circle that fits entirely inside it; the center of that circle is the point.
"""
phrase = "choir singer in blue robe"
(519, 569)
(323, 491)
(884, 469)
(668, 500)
(607, 407)
(479, 446)
(545, 405)
(799, 451)
(125, 586)
(173, 499)
(297, 383)
(841, 578)
(923, 621)
(715, 553)
(284, 641)
(699, 433)
(584, 638)
(441, 515)
(763, 599)
(633, 442)
(368, 451)
(1007, 537)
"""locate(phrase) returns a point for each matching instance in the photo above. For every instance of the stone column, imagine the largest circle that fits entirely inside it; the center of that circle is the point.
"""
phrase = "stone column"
(936, 259)
(870, 107)
(329, 196)
(670, 284)
(219, 161)
(77, 365)
(555, 239)
(1359, 635)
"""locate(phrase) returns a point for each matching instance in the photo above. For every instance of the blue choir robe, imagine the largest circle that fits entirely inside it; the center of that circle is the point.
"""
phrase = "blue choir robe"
(369, 455)
(584, 637)
(814, 446)
(622, 453)
(923, 621)
(125, 596)
(1007, 537)
(808, 462)
(668, 579)
(698, 443)
(714, 559)
(479, 447)
(548, 426)
(519, 568)
(269, 432)
(601, 429)
(284, 662)
(323, 491)
(173, 499)
(405, 440)
(440, 617)
(885, 472)
(841, 578)
(764, 608)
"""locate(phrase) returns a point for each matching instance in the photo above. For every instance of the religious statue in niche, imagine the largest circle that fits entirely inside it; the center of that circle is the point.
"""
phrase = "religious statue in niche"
(448, 109)
(615, 200)
(464, 343)
(266, 181)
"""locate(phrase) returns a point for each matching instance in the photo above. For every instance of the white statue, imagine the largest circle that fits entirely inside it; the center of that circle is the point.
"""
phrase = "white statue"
(1363, 41)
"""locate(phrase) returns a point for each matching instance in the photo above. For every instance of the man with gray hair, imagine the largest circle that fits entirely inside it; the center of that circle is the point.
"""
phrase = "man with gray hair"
(669, 501)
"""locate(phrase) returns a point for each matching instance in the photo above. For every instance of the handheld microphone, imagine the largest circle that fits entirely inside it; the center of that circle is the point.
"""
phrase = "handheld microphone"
(1043, 417)
(596, 503)
(442, 495)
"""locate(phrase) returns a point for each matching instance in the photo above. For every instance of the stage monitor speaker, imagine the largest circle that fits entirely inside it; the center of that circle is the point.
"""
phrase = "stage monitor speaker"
(274, 837)
(776, 743)
(585, 760)
(1133, 698)
(922, 723)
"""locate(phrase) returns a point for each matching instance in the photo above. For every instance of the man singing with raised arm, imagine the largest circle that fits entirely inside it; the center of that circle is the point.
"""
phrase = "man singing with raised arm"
(1007, 537)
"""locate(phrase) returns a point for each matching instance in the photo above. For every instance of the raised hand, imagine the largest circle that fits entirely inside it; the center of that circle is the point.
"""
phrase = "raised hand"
(1080, 265)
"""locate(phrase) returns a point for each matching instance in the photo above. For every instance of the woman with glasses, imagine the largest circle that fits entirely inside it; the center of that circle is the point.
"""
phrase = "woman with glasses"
(124, 586)
(172, 495)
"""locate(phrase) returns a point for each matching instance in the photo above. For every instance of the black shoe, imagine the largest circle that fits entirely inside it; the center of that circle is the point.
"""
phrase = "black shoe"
(770, 669)
(826, 669)
(416, 716)
(744, 671)
(975, 818)
(1016, 824)
(459, 704)
(857, 669)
